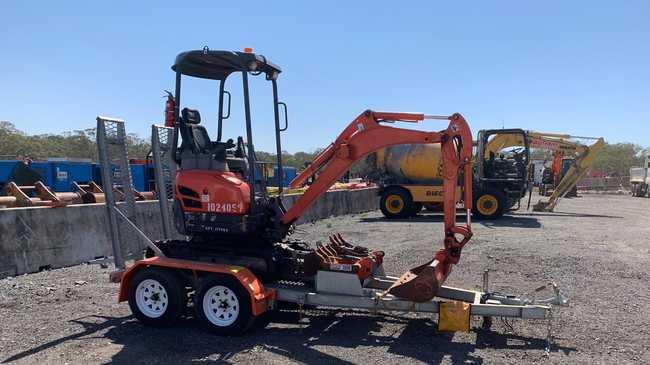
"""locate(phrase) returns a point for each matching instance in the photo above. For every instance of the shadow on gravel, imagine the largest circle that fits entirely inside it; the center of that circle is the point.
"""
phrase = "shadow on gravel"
(576, 215)
(513, 221)
(519, 220)
(415, 338)
(420, 218)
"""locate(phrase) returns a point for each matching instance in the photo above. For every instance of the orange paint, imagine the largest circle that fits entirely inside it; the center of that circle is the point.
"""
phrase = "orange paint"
(213, 191)
(260, 296)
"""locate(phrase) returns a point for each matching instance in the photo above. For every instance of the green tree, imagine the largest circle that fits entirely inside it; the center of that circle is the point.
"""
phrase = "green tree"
(76, 144)
(616, 159)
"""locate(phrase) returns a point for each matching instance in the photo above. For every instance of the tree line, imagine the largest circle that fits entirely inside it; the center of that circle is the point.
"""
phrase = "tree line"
(615, 159)
(16, 144)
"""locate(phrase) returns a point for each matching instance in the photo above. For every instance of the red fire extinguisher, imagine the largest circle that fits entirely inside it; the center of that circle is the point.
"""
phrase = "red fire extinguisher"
(169, 110)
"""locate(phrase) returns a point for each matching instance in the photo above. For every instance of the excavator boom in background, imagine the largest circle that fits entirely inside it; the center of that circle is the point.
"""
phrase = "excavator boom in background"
(409, 176)
(579, 164)
(578, 156)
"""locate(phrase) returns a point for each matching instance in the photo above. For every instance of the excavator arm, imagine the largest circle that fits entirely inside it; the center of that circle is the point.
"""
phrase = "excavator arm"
(367, 134)
(541, 140)
(561, 144)
(577, 171)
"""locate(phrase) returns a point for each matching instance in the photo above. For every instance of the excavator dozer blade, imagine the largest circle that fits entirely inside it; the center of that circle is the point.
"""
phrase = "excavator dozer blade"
(421, 284)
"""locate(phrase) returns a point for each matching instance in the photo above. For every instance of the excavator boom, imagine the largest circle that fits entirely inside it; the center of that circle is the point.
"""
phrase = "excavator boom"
(365, 135)
(577, 171)
(561, 144)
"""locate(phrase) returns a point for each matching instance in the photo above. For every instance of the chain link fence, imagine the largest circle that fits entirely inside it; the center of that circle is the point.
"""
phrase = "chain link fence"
(604, 183)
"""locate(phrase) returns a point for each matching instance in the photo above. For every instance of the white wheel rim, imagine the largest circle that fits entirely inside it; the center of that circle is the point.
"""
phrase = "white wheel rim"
(151, 298)
(220, 306)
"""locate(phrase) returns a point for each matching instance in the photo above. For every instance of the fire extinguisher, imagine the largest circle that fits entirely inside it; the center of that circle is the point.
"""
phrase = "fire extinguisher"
(169, 110)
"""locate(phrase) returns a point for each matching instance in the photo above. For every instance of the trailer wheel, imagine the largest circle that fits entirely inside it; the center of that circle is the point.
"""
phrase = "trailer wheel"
(223, 305)
(396, 203)
(489, 204)
(157, 297)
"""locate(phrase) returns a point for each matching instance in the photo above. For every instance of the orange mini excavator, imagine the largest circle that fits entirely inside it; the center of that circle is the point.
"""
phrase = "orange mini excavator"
(221, 202)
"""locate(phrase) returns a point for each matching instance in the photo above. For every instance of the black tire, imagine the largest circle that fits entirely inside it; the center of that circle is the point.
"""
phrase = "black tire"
(416, 208)
(396, 203)
(164, 307)
(236, 317)
(434, 207)
(489, 204)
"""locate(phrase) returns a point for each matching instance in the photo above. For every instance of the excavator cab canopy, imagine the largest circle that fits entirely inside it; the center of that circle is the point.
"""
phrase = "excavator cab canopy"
(217, 65)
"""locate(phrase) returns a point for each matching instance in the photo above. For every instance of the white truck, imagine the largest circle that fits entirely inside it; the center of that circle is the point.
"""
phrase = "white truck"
(640, 179)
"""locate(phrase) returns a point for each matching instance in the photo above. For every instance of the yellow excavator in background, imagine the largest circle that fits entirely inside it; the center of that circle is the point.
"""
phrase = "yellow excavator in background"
(574, 159)
(409, 175)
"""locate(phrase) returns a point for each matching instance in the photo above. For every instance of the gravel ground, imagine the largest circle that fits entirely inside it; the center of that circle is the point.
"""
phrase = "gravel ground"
(596, 247)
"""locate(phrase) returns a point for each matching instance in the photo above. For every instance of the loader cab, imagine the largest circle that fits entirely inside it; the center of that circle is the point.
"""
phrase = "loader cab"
(502, 153)
(220, 182)
(502, 164)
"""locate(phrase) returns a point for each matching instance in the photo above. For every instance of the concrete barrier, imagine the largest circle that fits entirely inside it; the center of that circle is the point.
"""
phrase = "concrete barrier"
(34, 239)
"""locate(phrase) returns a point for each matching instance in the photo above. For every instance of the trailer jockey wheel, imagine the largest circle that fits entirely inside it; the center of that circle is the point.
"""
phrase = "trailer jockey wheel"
(489, 204)
(157, 297)
(223, 305)
(396, 203)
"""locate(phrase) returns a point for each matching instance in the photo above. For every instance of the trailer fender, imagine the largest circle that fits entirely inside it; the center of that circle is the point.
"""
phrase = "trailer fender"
(261, 297)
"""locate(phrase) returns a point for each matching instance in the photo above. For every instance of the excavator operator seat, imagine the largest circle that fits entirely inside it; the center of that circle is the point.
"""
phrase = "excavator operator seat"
(197, 151)
(200, 140)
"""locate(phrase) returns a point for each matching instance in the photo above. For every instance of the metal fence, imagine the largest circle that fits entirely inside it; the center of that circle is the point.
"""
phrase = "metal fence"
(604, 183)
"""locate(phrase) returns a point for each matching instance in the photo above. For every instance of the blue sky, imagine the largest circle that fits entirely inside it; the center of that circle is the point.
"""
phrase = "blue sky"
(581, 67)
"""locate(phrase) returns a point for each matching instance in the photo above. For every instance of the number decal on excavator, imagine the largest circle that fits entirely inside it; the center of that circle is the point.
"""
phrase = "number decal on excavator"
(223, 207)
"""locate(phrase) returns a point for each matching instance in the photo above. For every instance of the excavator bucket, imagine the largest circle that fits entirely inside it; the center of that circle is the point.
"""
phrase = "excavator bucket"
(421, 283)
(541, 206)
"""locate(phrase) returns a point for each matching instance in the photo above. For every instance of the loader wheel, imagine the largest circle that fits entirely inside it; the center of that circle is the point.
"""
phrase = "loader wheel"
(417, 208)
(157, 297)
(396, 203)
(223, 305)
(489, 204)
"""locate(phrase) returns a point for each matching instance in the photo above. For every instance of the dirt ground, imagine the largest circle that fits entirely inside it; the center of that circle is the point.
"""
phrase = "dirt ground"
(596, 248)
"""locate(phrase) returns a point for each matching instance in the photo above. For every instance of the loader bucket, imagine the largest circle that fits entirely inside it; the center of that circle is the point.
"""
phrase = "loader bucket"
(421, 284)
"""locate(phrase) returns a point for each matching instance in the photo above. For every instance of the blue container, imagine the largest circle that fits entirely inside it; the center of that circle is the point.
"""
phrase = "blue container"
(290, 173)
(67, 172)
(59, 175)
(6, 168)
(44, 168)
(97, 174)
(139, 177)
